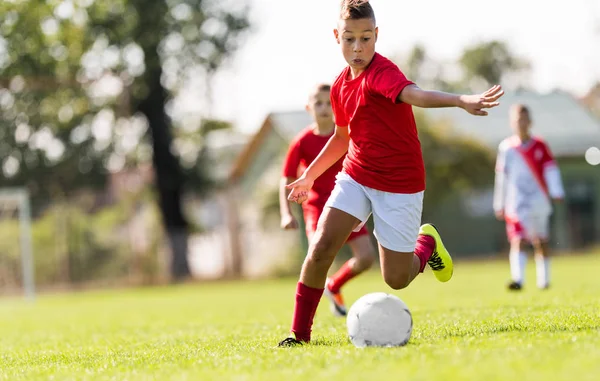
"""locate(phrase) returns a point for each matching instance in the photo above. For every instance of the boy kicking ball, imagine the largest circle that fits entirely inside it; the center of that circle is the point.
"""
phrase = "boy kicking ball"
(302, 151)
(383, 172)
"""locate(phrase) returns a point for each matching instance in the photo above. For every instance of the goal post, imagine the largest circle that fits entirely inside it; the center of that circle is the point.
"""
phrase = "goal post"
(18, 198)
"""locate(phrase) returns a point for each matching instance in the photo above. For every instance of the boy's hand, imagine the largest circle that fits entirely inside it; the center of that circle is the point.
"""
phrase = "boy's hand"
(300, 189)
(474, 104)
(289, 222)
(500, 215)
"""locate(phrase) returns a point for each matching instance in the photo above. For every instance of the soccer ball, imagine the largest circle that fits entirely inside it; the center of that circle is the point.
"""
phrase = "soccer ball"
(379, 320)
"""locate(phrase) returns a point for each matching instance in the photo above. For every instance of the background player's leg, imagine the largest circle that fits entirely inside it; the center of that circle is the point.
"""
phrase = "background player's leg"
(541, 249)
(363, 254)
(517, 256)
(332, 231)
(542, 263)
(518, 262)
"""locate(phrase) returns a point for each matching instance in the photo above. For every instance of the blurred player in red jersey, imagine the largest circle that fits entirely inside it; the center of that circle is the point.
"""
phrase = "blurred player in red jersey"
(302, 151)
(527, 181)
(383, 172)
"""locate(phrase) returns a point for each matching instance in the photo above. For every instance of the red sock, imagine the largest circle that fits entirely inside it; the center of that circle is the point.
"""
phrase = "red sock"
(307, 301)
(343, 275)
(424, 249)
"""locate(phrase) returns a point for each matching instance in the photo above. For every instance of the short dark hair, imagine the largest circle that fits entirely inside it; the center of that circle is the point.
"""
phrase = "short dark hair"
(522, 109)
(319, 87)
(356, 10)
(323, 87)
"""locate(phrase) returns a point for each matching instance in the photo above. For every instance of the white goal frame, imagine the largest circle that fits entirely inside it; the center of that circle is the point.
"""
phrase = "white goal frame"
(19, 198)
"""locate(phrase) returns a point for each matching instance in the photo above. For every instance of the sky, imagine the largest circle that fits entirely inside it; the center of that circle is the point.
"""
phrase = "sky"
(292, 46)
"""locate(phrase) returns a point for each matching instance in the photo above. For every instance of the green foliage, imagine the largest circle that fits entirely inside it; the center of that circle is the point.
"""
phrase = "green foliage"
(426, 72)
(490, 62)
(74, 72)
(71, 245)
(452, 163)
(592, 100)
(482, 64)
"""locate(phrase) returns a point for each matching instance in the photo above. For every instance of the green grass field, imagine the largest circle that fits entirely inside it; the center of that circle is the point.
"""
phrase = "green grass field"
(468, 329)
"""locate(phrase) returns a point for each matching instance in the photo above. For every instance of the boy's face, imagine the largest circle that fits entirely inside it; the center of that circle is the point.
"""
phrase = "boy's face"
(357, 38)
(519, 121)
(319, 108)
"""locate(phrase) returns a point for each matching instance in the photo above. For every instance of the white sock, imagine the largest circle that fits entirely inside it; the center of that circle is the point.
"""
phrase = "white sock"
(542, 266)
(518, 260)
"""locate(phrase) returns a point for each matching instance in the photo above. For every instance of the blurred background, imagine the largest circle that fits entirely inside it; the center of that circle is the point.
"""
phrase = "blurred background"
(141, 141)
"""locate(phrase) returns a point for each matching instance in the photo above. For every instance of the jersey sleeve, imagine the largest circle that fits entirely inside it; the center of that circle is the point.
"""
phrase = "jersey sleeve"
(292, 160)
(551, 174)
(500, 179)
(388, 81)
(339, 115)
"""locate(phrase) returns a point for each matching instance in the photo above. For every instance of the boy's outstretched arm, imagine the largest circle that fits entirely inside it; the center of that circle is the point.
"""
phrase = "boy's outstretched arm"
(335, 148)
(473, 104)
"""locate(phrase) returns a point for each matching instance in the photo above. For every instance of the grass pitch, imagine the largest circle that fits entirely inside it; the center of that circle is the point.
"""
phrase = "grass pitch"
(468, 329)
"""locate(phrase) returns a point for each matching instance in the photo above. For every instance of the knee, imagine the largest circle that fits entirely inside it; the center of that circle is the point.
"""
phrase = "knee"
(542, 249)
(322, 250)
(364, 261)
(517, 245)
(397, 281)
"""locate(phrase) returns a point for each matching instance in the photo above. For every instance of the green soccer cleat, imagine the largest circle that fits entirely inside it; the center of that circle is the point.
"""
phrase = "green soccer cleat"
(440, 260)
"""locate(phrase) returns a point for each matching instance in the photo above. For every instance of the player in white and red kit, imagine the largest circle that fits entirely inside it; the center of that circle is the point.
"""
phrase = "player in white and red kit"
(527, 181)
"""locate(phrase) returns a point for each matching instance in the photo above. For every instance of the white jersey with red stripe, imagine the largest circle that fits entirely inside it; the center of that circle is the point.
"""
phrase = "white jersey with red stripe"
(527, 178)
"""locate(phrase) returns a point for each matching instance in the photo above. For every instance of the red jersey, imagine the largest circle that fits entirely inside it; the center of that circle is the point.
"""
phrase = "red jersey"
(384, 151)
(303, 150)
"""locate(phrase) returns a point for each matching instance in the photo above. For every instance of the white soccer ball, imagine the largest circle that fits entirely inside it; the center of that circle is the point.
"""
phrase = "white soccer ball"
(379, 320)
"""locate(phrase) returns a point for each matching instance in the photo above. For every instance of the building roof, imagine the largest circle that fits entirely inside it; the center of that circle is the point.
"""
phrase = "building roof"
(567, 126)
(289, 124)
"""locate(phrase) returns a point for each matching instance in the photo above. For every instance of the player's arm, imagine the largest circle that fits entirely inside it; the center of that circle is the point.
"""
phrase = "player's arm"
(473, 104)
(335, 148)
(552, 176)
(288, 221)
(500, 184)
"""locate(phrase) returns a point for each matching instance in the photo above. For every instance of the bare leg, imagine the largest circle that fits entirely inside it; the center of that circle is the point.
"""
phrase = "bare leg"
(542, 260)
(363, 257)
(518, 261)
(332, 232)
(398, 269)
(363, 254)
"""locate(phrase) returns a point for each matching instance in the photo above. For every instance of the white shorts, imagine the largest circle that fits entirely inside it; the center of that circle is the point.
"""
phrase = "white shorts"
(396, 216)
(528, 226)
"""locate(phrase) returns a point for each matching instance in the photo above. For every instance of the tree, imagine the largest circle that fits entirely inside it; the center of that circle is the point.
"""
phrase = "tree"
(86, 82)
(488, 63)
(592, 99)
(426, 72)
(452, 163)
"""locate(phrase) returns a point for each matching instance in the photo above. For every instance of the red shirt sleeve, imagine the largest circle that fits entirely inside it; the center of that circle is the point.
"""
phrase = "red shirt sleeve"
(388, 81)
(292, 160)
(339, 115)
